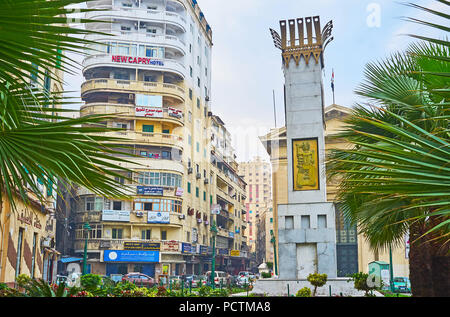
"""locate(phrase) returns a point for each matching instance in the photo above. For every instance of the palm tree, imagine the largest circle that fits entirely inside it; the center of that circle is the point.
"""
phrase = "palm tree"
(38, 142)
(396, 177)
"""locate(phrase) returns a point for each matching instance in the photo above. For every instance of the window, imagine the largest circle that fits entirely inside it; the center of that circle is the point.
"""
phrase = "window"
(117, 205)
(90, 203)
(33, 255)
(146, 234)
(198, 81)
(305, 222)
(189, 187)
(189, 139)
(188, 236)
(157, 205)
(117, 233)
(163, 235)
(198, 103)
(148, 128)
(190, 94)
(289, 222)
(198, 147)
(204, 195)
(322, 221)
(19, 251)
(196, 192)
(190, 70)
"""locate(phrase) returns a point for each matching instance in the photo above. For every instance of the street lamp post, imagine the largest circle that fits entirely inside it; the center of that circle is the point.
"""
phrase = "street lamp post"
(87, 228)
(213, 262)
(273, 241)
(391, 270)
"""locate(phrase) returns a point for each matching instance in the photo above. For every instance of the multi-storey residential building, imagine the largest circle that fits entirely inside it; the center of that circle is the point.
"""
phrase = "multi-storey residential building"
(154, 73)
(27, 234)
(257, 174)
(227, 200)
(353, 251)
(264, 227)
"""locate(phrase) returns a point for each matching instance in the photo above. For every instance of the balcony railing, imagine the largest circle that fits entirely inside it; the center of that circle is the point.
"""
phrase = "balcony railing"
(106, 60)
(142, 14)
(128, 110)
(133, 86)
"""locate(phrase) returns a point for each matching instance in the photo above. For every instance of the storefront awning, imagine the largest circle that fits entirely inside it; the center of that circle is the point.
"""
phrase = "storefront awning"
(70, 260)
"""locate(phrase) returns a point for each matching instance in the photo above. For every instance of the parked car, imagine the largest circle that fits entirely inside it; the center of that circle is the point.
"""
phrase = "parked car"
(139, 279)
(175, 279)
(244, 280)
(195, 280)
(61, 279)
(219, 278)
(402, 285)
(251, 276)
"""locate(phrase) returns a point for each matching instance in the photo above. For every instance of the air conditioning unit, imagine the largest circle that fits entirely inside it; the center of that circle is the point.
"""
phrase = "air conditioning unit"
(207, 98)
(206, 181)
(131, 96)
(181, 216)
(139, 214)
(46, 242)
(190, 170)
(198, 176)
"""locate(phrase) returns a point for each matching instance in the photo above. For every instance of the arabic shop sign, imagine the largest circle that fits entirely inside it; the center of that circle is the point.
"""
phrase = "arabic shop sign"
(148, 246)
(136, 60)
(150, 191)
(149, 112)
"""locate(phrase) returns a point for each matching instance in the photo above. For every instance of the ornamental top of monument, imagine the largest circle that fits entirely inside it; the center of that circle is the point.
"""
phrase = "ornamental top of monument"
(308, 46)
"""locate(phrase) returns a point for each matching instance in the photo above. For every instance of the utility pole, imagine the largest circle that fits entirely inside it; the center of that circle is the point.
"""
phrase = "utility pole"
(87, 228)
(213, 262)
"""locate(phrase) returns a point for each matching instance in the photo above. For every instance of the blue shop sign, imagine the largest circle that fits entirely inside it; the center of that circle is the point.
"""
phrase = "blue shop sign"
(204, 249)
(150, 191)
(222, 251)
(130, 256)
(186, 248)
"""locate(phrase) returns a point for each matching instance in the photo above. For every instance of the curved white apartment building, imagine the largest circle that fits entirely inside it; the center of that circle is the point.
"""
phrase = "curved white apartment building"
(153, 69)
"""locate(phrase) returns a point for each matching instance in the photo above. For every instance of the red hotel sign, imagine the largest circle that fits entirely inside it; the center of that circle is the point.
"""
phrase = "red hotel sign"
(136, 60)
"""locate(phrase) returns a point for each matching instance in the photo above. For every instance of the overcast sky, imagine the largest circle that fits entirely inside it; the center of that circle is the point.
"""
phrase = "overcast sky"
(246, 67)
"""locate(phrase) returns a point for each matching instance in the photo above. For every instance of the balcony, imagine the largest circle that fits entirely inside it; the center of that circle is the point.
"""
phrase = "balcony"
(132, 86)
(162, 40)
(127, 111)
(143, 15)
(106, 60)
(133, 137)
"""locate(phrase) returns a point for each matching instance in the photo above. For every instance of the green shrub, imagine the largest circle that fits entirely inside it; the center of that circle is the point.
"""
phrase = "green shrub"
(317, 280)
(304, 292)
(22, 280)
(360, 283)
(90, 282)
(266, 275)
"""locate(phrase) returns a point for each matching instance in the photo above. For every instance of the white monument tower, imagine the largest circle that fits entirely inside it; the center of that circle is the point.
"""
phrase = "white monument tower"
(306, 225)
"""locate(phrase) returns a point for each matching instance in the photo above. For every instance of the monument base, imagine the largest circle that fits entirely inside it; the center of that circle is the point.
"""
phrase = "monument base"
(306, 240)
(280, 287)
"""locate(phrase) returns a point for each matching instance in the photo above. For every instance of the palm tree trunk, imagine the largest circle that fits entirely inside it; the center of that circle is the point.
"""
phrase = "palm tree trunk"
(440, 266)
(420, 263)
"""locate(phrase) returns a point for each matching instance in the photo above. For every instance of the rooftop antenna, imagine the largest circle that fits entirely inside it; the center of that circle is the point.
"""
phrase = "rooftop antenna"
(274, 109)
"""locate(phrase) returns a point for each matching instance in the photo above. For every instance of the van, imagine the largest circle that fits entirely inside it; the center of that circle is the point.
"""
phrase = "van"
(220, 277)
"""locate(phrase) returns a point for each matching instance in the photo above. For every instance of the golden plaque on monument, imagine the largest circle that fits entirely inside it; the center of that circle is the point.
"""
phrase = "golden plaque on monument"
(305, 164)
